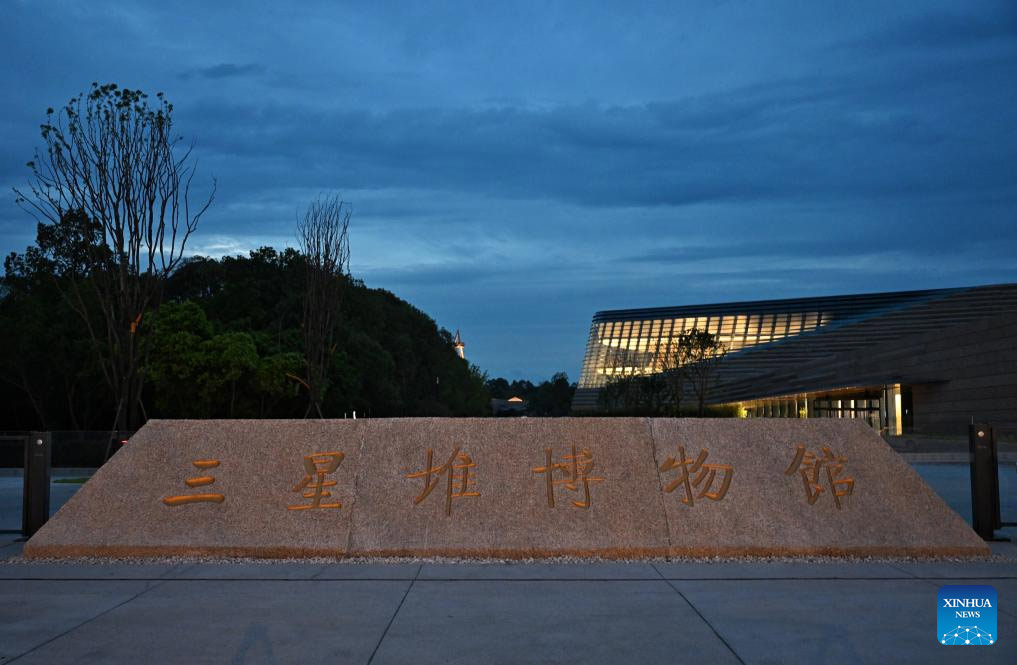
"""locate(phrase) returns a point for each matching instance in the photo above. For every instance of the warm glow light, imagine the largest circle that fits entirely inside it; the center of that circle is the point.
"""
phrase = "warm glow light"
(898, 420)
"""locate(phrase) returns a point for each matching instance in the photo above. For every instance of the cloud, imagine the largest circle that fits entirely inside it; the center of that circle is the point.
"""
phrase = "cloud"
(225, 70)
(989, 25)
(514, 169)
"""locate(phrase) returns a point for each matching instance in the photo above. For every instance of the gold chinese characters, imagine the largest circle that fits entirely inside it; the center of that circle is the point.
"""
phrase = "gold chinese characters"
(705, 474)
(198, 481)
(316, 467)
(576, 469)
(809, 465)
(693, 478)
(457, 471)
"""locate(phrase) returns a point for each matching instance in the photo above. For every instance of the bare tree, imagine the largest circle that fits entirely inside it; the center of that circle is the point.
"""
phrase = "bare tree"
(672, 357)
(324, 241)
(112, 167)
(705, 351)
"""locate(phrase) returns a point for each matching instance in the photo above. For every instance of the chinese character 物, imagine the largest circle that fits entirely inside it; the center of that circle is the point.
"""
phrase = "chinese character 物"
(705, 474)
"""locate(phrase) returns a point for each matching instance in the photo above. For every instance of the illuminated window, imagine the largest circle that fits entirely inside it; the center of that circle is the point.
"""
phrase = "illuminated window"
(780, 326)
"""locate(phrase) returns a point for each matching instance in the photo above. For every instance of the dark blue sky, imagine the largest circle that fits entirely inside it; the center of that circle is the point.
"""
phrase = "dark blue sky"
(515, 167)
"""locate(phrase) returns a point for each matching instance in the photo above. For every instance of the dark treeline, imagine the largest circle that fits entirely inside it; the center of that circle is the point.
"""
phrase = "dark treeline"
(650, 396)
(549, 398)
(226, 343)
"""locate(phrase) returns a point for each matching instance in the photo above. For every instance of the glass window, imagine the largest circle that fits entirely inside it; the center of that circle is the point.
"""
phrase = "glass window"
(780, 325)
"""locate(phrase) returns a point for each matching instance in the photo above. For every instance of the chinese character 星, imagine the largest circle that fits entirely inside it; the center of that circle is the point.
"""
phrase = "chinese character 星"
(809, 465)
(199, 481)
(457, 471)
(705, 474)
(576, 467)
(316, 467)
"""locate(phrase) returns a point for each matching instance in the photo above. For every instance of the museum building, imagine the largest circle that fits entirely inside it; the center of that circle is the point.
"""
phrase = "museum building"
(909, 361)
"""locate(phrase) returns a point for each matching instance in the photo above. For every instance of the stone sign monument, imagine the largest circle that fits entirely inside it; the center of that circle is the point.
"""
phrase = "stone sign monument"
(609, 487)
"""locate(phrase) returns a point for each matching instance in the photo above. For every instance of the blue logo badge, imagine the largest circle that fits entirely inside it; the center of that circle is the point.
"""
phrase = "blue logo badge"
(966, 615)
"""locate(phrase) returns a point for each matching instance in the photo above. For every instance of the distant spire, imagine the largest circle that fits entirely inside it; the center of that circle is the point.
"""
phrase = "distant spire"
(460, 348)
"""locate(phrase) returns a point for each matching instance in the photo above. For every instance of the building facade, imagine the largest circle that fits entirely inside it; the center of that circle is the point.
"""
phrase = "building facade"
(910, 361)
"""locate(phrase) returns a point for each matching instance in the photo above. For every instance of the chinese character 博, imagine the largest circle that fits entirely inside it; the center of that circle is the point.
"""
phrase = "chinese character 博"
(576, 467)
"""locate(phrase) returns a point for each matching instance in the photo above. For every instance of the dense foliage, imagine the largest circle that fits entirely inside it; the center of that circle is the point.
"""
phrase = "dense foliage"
(226, 343)
(549, 398)
(650, 395)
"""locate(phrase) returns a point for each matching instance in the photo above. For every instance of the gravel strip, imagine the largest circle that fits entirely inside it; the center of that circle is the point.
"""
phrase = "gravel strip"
(21, 560)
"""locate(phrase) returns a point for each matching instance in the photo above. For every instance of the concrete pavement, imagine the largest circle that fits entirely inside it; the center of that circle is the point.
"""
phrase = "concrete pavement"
(677, 612)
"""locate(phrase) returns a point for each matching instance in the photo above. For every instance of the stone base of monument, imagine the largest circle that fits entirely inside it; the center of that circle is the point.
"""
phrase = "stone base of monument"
(513, 488)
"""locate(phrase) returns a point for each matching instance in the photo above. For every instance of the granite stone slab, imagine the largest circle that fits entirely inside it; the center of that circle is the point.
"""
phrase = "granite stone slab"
(799, 487)
(245, 510)
(611, 507)
(617, 488)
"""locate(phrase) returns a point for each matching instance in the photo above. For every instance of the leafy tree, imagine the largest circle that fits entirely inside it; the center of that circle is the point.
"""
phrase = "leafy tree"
(111, 192)
(229, 358)
(227, 341)
(640, 395)
(499, 388)
(554, 397)
(198, 372)
(705, 352)
(671, 361)
(272, 382)
(549, 398)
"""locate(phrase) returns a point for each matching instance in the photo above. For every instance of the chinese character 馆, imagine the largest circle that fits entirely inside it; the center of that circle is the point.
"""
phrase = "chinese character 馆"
(809, 465)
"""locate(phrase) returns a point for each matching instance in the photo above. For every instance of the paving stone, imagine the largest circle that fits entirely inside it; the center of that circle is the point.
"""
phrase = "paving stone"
(368, 571)
(86, 571)
(539, 571)
(777, 570)
(548, 622)
(216, 621)
(783, 622)
(248, 571)
(948, 569)
(34, 612)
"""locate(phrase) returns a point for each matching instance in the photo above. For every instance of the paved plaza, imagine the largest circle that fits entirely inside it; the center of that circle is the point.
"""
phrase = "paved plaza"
(648, 612)
(734, 612)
